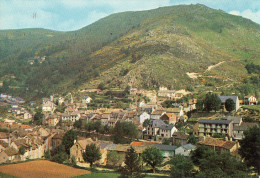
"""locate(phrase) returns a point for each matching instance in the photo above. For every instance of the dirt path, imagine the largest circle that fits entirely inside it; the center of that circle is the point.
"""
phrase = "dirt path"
(213, 66)
(41, 169)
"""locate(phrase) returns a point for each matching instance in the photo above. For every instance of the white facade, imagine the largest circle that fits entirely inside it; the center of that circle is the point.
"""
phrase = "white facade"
(143, 117)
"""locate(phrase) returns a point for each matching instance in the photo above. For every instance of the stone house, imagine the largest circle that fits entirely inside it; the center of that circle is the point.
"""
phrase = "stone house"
(171, 118)
(78, 148)
(185, 149)
(156, 115)
(220, 145)
(179, 138)
(234, 98)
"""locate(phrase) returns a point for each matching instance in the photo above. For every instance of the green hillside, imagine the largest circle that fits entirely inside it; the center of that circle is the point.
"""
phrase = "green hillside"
(170, 46)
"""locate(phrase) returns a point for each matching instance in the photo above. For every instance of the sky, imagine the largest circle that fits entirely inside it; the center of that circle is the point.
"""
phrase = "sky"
(68, 15)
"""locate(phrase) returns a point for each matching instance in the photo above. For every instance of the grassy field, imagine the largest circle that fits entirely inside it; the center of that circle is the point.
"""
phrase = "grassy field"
(254, 107)
(111, 175)
(3, 175)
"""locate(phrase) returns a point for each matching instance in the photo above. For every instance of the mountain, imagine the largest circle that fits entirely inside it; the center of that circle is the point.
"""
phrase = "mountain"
(177, 47)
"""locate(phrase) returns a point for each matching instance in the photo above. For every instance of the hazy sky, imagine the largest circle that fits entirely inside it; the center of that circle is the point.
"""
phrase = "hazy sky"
(66, 15)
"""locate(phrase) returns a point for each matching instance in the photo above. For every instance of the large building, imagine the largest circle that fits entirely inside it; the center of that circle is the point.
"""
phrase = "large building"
(211, 127)
(234, 98)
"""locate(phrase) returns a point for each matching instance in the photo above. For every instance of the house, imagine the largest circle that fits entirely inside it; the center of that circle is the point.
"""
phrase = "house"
(57, 139)
(235, 120)
(178, 111)
(143, 116)
(48, 105)
(133, 91)
(251, 100)
(179, 138)
(167, 150)
(220, 145)
(166, 131)
(27, 115)
(156, 115)
(185, 149)
(70, 117)
(12, 154)
(61, 100)
(52, 120)
(211, 127)
(238, 131)
(78, 148)
(164, 92)
(234, 98)
(158, 130)
(3, 157)
(86, 99)
(171, 118)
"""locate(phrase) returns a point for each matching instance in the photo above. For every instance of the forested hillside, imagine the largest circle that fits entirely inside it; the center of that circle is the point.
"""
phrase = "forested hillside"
(173, 46)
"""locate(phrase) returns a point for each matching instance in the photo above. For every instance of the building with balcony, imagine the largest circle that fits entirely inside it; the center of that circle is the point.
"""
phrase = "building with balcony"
(210, 127)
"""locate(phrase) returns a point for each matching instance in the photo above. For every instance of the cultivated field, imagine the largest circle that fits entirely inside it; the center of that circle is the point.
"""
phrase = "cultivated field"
(41, 168)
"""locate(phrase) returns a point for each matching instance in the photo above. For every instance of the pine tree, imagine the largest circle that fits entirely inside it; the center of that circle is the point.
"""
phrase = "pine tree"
(132, 164)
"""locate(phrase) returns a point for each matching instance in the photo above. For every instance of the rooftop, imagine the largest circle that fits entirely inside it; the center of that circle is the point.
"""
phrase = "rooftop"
(208, 121)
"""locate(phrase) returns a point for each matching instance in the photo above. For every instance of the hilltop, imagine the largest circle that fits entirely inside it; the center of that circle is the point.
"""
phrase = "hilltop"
(175, 46)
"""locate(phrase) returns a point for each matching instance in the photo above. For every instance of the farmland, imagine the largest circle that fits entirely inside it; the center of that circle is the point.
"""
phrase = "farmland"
(41, 168)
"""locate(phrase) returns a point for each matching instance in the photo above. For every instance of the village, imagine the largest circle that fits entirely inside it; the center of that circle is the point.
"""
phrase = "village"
(173, 130)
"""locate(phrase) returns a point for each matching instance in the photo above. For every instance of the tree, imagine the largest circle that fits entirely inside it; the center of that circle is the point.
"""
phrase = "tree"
(92, 154)
(68, 140)
(223, 164)
(132, 164)
(250, 147)
(78, 124)
(37, 119)
(146, 122)
(21, 150)
(97, 126)
(47, 154)
(192, 139)
(124, 132)
(166, 142)
(197, 154)
(113, 158)
(229, 105)
(153, 157)
(212, 102)
(101, 86)
(59, 155)
(181, 166)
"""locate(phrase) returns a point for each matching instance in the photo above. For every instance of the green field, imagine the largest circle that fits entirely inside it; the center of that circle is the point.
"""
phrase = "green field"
(254, 107)
(2, 175)
(113, 175)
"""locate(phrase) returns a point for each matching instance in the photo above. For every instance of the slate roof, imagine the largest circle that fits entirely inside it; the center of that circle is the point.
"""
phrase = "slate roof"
(165, 147)
(208, 121)
(156, 123)
(148, 110)
(189, 146)
(167, 127)
(236, 120)
(244, 126)
(180, 135)
(224, 98)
